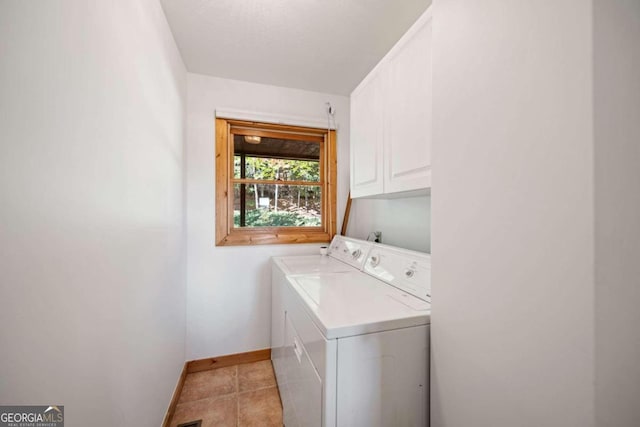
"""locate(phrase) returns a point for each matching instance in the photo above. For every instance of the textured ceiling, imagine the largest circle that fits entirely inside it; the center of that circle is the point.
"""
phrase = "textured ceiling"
(320, 45)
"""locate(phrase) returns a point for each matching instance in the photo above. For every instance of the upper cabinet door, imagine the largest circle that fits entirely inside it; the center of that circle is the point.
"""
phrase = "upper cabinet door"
(391, 120)
(366, 141)
(408, 115)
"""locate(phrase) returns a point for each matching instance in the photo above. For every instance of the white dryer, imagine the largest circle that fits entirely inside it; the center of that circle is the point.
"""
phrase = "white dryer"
(356, 344)
(344, 255)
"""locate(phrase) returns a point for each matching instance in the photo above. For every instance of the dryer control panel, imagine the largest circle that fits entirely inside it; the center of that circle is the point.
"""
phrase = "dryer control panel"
(409, 271)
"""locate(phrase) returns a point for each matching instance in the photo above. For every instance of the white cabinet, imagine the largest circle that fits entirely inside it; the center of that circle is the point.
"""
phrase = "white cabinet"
(391, 119)
(367, 137)
(407, 124)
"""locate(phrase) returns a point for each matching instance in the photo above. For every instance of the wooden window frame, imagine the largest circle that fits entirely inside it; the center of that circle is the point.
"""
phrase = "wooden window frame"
(226, 233)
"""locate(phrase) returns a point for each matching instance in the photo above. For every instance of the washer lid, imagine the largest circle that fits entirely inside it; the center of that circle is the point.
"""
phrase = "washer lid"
(354, 303)
(310, 264)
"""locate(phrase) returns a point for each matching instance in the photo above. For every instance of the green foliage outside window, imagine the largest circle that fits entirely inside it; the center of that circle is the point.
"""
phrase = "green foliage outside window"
(267, 218)
(278, 169)
(289, 205)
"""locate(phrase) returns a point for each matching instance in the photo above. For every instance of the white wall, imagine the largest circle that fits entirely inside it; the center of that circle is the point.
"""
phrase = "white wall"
(403, 222)
(229, 288)
(512, 214)
(91, 216)
(617, 211)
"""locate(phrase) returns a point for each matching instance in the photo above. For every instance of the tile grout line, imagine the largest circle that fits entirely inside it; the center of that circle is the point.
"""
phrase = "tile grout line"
(257, 389)
(236, 393)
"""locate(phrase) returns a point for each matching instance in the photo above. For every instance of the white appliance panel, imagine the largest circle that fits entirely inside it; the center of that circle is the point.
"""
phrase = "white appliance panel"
(344, 254)
(313, 264)
(354, 303)
(310, 336)
(351, 251)
(278, 283)
(407, 271)
(301, 386)
(375, 388)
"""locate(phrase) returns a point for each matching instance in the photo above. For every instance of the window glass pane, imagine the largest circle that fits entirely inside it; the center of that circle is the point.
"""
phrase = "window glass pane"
(277, 205)
(276, 159)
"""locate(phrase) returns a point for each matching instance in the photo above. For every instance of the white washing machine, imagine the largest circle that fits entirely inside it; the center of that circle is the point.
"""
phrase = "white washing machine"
(355, 348)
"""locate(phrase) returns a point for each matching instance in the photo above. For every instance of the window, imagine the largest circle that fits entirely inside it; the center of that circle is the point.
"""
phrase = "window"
(274, 183)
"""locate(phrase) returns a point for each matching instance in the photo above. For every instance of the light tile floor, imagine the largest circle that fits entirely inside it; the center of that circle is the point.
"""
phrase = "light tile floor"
(236, 396)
